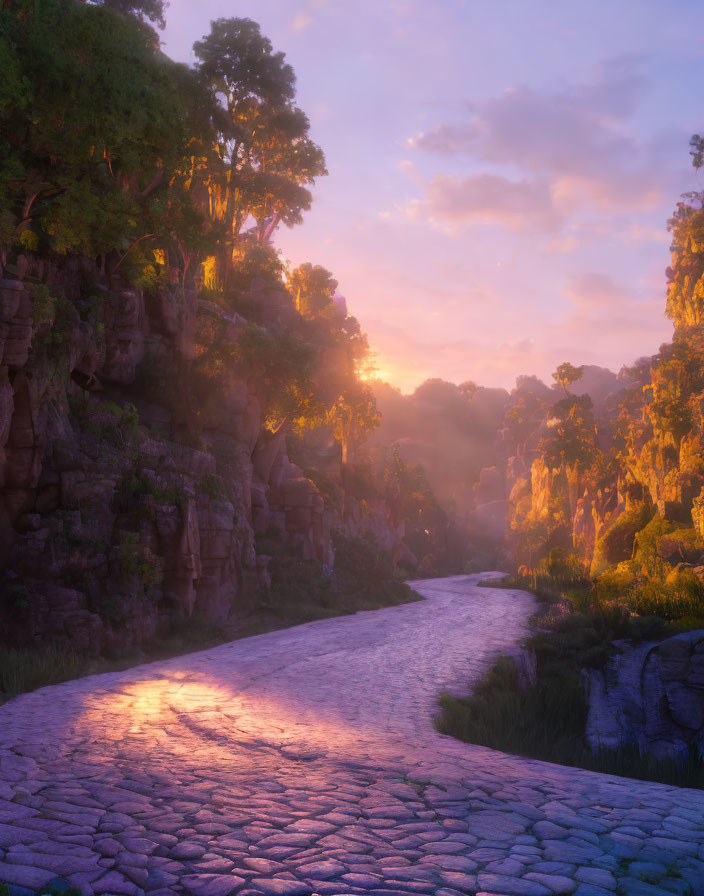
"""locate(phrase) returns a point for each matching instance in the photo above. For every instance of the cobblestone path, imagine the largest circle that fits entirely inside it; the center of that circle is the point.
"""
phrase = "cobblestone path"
(304, 761)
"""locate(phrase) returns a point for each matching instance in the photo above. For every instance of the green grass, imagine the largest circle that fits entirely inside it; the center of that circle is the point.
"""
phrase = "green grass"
(26, 669)
(547, 719)
(58, 887)
(549, 589)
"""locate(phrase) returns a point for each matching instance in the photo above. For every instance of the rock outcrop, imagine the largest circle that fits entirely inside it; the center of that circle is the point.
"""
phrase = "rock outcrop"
(650, 696)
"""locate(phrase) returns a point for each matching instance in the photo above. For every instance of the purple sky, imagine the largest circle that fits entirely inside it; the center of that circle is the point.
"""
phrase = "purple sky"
(501, 174)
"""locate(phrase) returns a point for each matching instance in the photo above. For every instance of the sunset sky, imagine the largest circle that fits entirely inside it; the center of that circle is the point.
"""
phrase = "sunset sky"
(501, 174)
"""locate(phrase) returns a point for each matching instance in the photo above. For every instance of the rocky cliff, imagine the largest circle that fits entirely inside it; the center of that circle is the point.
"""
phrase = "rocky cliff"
(131, 497)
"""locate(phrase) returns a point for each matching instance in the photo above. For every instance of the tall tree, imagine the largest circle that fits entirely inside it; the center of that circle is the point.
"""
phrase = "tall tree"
(265, 157)
(312, 288)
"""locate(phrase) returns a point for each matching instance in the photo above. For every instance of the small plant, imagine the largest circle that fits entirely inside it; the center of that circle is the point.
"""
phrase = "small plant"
(127, 415)
(128, 554)
(213, 488)
(136, 489)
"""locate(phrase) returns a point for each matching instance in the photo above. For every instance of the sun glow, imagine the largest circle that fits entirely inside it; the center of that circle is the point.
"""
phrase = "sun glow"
(169, 719)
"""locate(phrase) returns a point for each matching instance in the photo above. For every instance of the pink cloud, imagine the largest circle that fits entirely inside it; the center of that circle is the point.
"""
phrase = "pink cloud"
(516, 205)
(597, 292)
(572, 145)
(574, 129)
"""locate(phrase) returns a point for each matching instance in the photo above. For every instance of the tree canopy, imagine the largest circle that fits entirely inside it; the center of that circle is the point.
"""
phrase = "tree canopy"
(566, 375)
(109, 148)
(263, 160)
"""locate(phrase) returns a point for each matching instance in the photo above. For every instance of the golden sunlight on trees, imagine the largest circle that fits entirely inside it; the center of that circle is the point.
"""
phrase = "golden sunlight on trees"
(263, 159)
(313, 289)
(566, 375)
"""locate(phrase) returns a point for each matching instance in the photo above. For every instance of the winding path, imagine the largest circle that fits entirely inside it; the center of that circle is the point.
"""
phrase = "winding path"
(305, 761)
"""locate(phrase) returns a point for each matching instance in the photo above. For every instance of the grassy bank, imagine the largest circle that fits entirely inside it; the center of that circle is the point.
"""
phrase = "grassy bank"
(546, 719)
(364, 579)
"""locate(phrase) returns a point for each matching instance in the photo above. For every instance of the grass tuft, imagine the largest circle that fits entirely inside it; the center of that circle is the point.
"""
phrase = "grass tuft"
(26, 669)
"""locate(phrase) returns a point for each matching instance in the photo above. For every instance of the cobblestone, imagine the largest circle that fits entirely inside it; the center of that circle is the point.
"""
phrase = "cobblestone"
(306, 761)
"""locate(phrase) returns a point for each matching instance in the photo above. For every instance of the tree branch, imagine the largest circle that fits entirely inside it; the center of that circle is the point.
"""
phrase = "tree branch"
(153, 186)
(135, 243)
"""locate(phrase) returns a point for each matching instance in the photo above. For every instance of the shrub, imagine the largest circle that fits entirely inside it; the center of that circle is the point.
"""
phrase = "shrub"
(646, 541)
(618, 581)
(680, 597)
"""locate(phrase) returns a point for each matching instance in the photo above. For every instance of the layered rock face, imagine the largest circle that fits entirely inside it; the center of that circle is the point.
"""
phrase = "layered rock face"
(125, 503)
(650, 696)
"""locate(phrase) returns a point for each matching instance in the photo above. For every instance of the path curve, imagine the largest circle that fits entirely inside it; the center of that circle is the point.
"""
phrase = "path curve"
(305, 761)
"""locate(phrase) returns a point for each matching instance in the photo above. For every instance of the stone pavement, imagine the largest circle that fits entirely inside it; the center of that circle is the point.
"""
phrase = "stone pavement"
(304, 761)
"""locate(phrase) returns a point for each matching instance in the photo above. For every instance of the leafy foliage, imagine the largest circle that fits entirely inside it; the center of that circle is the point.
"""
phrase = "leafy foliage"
(566, 375)
(621, 483)
(93, 116)
(263, 159)
(571, 436)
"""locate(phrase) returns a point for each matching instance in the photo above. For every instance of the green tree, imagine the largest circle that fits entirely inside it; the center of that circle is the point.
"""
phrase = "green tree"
(567, 374)
(353, 417)
(152, 10)
(312, 288)
(264, 157)
(408, 491)
(88, 135)
(570, 439)
(523, 417)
